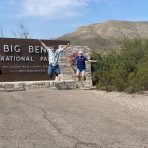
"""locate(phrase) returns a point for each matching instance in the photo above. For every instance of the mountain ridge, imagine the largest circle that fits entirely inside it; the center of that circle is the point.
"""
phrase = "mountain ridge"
(107, 34)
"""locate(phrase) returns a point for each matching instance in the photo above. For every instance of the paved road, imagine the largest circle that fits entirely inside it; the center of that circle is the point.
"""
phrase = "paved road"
(44, 118)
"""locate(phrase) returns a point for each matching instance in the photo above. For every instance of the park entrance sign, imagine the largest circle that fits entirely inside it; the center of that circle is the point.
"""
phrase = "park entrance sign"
(24, 59)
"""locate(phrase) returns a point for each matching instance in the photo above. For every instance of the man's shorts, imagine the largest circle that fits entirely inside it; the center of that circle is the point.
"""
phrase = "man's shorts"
(52, 69)
(80, 72)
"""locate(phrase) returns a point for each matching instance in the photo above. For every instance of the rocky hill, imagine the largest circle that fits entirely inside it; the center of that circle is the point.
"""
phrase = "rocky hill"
(107, 34)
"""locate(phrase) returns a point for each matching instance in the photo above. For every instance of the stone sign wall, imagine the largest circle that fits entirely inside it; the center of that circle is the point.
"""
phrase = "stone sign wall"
(27, 60)
(68, 69)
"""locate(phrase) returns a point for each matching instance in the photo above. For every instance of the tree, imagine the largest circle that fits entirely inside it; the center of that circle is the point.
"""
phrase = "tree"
(22, 32)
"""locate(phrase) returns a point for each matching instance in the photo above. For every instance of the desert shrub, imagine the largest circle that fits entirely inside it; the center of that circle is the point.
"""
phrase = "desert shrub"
(124, 71)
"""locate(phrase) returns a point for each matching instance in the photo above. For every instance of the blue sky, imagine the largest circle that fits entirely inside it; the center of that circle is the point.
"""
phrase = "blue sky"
(46, 19)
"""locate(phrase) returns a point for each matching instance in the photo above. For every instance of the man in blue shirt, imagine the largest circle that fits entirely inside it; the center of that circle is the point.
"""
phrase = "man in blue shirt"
(81, 66)
(53, 57)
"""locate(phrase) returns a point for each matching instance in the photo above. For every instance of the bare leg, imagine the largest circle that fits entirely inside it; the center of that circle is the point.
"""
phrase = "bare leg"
(78, 75)
(78, 78)
(56, 78)
(83, 75)
(83, 78)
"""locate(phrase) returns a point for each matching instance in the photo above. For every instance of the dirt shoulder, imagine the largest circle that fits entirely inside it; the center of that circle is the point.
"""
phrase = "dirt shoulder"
(137, 101)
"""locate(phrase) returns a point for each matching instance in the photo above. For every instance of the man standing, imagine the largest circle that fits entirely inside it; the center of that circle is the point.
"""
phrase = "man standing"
(53, 57)
(81, 66)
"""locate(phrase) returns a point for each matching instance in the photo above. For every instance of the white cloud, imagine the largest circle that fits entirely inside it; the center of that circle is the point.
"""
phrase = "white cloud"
(55, 8)
(108, 2)
(51, 8)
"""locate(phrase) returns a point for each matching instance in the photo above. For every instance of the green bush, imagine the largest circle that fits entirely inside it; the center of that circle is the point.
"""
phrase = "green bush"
(124, 71)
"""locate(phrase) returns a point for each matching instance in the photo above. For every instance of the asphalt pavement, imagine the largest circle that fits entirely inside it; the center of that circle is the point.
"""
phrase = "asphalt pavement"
(50, 118)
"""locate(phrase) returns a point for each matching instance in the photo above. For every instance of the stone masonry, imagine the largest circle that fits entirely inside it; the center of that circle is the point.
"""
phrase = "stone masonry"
(67, 71)
(67, 79)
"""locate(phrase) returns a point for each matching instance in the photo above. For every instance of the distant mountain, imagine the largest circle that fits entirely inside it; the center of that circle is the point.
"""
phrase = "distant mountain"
(107, 34)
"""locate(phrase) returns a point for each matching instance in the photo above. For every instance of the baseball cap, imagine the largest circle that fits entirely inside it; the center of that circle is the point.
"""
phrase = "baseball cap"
(80, 51)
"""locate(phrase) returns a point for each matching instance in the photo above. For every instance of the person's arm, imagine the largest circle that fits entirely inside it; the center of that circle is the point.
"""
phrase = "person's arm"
(43, 44)
(92, 61)
(66, 46)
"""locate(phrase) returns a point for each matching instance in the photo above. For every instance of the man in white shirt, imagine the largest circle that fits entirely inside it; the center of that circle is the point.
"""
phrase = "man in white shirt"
(53, 55)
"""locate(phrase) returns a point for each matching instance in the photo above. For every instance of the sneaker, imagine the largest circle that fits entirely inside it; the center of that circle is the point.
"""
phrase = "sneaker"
(57, 78)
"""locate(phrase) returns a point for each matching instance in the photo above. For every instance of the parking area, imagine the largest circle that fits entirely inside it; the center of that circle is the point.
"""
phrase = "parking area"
(50, 118)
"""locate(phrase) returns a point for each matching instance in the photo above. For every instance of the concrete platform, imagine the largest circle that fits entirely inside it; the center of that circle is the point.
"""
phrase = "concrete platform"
(25, 85)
